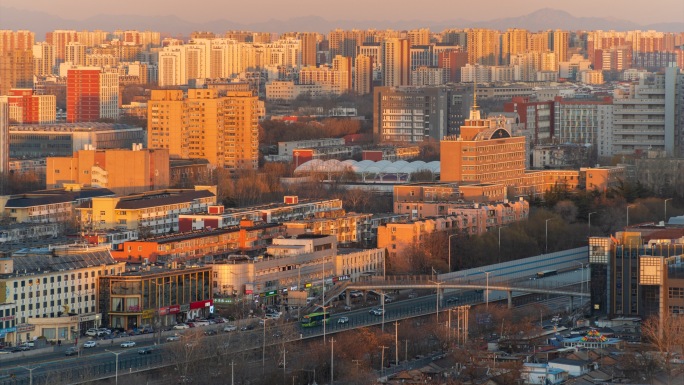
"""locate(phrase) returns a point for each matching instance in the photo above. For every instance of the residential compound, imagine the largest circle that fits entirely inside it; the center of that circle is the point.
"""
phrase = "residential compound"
(202, 124)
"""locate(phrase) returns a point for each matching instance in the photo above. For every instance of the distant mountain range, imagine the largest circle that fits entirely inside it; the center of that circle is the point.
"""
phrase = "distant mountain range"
(170, 25)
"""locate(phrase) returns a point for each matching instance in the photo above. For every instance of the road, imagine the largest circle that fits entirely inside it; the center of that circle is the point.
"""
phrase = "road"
(99, 363)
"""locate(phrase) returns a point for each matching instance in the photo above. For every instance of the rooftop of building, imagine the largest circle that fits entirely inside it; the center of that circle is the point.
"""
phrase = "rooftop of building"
(162, 239)
(146, 271)
(268, 206)
(53, 196)
(63, 258)
(72, 127)
(157, 198)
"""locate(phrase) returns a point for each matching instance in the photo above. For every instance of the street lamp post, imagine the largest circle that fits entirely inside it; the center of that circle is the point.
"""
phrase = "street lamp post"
(263, 347)
(546, 232)
(30, 372)
(449, 261)
(487, 291)
(589, 223)
(628, 206)
(437, 299)
(668, 199)
(499, 258)
(582, 278)
(116, 370)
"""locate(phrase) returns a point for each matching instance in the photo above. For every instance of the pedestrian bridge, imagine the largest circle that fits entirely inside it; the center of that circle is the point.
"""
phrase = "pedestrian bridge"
(562, 288)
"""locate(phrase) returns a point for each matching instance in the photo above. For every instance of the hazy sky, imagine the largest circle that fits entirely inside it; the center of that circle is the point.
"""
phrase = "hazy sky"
(638, 11)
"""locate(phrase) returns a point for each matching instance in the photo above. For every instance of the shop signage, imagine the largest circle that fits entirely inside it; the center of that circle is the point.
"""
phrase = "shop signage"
(148, 313)
(185, 307)
(200, 304)
(86, 318)
(25, 328)
(271, 293)
(223, 300)
(8, 318)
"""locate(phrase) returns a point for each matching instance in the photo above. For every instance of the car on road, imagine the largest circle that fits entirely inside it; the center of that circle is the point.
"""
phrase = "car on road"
(376, 311)
(72, 351)
(413, 294)
(146, 350)
(355, 294)
(273, 315)
(91, 332)
(451, 300)
(128, 344)
(181, 326)
(90, 344)
(230, 328)
(247, 327)
(347, 308)
(172, 338)
(388, 299)
(210, 333)
(343, 320)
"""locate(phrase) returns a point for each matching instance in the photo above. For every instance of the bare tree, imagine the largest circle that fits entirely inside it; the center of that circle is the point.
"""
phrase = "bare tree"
(666, 335)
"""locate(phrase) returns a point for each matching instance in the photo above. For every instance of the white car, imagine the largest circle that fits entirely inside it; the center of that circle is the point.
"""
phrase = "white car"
(343, 320)
(181, 326)
(172, 338)
(91, 332)
(90, 344)
(128, 344)
(230, 328)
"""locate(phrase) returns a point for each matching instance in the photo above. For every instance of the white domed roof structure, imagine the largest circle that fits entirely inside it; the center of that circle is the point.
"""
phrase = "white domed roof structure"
(383, 171)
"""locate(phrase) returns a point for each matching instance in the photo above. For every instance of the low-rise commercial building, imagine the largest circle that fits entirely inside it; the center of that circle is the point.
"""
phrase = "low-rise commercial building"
(297, 263)
(54, 291)
(154, 295)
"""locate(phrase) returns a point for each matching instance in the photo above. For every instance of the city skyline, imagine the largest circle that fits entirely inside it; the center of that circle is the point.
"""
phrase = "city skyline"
(435, 12)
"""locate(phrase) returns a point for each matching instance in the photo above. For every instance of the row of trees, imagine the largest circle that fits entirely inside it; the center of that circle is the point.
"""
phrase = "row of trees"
(273, 131)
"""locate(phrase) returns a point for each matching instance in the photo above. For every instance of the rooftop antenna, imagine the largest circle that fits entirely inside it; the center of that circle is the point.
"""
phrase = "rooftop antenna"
(474, 111)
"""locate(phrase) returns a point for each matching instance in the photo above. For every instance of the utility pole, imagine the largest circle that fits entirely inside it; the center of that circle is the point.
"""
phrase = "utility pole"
(232, 373)
(406, 350)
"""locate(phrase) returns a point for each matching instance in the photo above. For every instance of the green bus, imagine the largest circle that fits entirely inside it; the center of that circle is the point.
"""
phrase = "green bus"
(315, 319)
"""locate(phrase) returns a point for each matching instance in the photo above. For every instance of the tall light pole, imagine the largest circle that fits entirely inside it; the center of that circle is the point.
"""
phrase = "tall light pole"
(668, 199)
(546, 226)
(325, 319)
(487, 291)
(450, 251)
(582, 279)
(589, 224)
(382, 299)
(30, 372)
(263, 347)
(499, 258)
(116, 370)
(332, 360)
(437, 295)
(628, 206)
